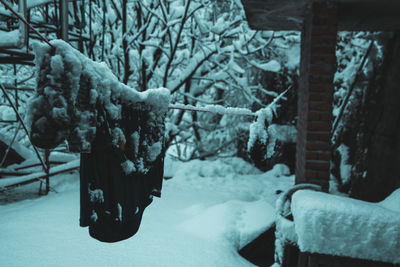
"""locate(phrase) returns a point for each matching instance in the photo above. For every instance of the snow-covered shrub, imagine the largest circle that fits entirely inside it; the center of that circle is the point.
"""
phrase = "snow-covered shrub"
(77, 97)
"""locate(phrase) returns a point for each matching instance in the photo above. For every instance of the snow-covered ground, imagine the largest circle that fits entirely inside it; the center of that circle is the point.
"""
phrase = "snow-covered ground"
(208, 211)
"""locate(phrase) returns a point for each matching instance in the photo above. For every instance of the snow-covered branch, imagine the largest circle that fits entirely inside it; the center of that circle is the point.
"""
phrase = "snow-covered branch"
(218, 109)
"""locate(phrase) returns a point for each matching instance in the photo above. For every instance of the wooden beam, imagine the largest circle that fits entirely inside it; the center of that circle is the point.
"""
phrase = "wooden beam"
(368, 15)
(12, 60)
(353, 15)
(274, 14)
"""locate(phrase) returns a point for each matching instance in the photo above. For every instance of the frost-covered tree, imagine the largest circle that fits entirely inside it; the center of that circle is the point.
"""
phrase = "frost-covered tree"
(365, 140)
(202, 51)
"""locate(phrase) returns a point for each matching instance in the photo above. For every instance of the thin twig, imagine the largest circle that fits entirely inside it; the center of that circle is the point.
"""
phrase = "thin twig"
(346, 100)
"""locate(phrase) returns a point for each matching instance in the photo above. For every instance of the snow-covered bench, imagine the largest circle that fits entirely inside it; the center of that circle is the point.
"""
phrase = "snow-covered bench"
(338, 231)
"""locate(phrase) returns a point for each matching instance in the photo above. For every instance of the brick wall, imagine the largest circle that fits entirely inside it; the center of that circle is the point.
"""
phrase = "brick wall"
(317, 68)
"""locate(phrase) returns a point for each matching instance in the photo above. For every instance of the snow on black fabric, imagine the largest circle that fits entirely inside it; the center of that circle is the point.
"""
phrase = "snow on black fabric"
(118, 130)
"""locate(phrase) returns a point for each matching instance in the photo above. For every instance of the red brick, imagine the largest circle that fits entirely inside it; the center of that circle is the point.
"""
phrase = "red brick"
(321, 87)
(326, 116)
(327, 59)
(318, 155)
(318, 145)
(321, 41)
(319, 136)
(310, 174)
(323, 19)
(324, 39)
(328, 96)
(324, 155)
(317, 165)
(324, 175)
(320, 105)
(320, 96)
(322, 50)
(319, 126)
(319, 116)
(316, 43)
(322, 68)
(312, 155)
(313, 116)
(318, 79)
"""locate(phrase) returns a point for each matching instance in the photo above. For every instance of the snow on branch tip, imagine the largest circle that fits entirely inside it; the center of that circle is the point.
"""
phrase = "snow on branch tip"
(230, 110)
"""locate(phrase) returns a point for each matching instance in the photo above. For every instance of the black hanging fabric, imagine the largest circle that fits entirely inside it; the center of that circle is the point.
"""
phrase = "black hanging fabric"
(118, 131)
(112, 201)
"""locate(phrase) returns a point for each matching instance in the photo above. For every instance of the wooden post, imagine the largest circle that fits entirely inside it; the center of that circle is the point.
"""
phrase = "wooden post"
(64, 19)
(47, 162)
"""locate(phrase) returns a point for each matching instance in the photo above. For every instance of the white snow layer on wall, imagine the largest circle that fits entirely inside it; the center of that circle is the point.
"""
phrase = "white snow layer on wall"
(336, 225)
